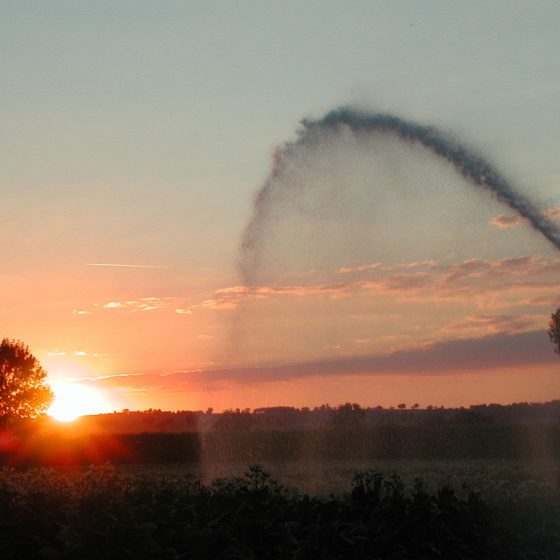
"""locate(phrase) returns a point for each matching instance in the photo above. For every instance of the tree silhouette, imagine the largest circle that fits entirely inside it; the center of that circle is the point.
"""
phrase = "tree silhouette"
(349, 416)
(23, 391)
(554, 330)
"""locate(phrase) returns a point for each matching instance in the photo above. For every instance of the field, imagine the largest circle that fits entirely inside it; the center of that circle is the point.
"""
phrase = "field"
(493, 478)
(438, 490)
(290, 509)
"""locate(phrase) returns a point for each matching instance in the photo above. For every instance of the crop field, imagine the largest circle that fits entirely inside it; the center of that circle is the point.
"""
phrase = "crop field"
(293, 509)
(493, 478)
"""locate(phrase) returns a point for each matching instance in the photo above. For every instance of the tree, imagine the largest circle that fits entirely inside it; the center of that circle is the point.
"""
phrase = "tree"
(348, 416)
(554, 330)
(23, 391)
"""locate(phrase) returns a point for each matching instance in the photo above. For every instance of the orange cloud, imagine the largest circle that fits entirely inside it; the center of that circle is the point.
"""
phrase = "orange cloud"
(509, 220)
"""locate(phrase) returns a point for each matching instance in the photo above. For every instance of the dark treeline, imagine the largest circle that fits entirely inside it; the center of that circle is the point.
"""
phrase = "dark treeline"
(347, 432)
(318, 418)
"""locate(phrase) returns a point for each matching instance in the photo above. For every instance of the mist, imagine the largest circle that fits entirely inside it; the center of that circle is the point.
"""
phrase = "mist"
(400, 172)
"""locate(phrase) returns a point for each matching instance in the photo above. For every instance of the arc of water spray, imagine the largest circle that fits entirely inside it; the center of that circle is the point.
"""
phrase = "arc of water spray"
(475, 169)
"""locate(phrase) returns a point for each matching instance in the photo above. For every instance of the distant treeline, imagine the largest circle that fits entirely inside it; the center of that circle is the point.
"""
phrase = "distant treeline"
(323, 417)
(518, 431)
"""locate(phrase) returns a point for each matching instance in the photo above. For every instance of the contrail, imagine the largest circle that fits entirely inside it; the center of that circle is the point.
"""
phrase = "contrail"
(125, 265)
(474, 168)
(119, 265)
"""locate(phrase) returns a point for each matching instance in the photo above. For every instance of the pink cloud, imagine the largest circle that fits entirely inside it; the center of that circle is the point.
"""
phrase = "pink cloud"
(360, 268)
(485, 325)
(552, 213)
(482, 281)
(505, 221)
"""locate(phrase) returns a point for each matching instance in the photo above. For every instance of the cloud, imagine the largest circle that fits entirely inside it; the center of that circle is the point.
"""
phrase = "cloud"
(143, 304)
(501, 350)
(484, 325)
(381, 267)
(123, 265)
(116, 304)
(548, 300)
(487, 282)
(552, 213)
(233, 296)
(505, 221)
(360, 268)
(54, 353)
(181, 311)
(445, 357)
(402, 283)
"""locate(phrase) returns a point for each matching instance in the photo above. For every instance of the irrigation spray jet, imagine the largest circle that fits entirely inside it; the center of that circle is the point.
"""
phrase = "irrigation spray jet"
(475, 169)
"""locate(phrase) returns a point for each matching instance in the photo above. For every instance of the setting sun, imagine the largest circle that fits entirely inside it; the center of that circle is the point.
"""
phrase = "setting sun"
(73, 400)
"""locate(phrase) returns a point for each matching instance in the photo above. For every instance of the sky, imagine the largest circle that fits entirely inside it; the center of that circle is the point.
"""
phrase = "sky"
(135, 136)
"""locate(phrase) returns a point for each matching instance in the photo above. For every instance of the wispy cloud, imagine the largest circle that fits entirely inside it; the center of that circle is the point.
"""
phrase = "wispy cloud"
(552, 213)
(482, 281)
(182, 311)
(233, 296)
(509, 220)
(127, 265)
(142, 304)
(380, 267)
(485, 283)
(505, 221)
(360, 268)
(486, 325)
(54, 353)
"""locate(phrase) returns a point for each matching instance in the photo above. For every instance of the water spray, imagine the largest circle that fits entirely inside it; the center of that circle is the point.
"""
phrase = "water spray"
(472, 167)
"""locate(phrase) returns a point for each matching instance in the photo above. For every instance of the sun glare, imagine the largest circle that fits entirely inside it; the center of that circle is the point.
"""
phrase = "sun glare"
(72, 400)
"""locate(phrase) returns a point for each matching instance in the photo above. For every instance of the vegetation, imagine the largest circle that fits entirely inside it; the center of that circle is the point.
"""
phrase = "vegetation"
(23, 392)
(343, 441)
(104, 513)
(554, 330)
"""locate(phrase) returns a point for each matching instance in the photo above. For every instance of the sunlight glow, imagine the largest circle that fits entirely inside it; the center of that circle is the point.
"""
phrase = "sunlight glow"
(73, 400)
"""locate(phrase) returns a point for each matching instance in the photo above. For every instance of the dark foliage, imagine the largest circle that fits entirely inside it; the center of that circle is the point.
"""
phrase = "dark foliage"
(23, 391)
(104, 514)
(554, 330)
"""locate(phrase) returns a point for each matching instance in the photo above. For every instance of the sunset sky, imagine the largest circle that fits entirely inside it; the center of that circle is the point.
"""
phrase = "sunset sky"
(135, 135)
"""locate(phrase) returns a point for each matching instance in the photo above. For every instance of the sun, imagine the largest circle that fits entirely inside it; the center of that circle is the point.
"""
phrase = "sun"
(72, 400)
